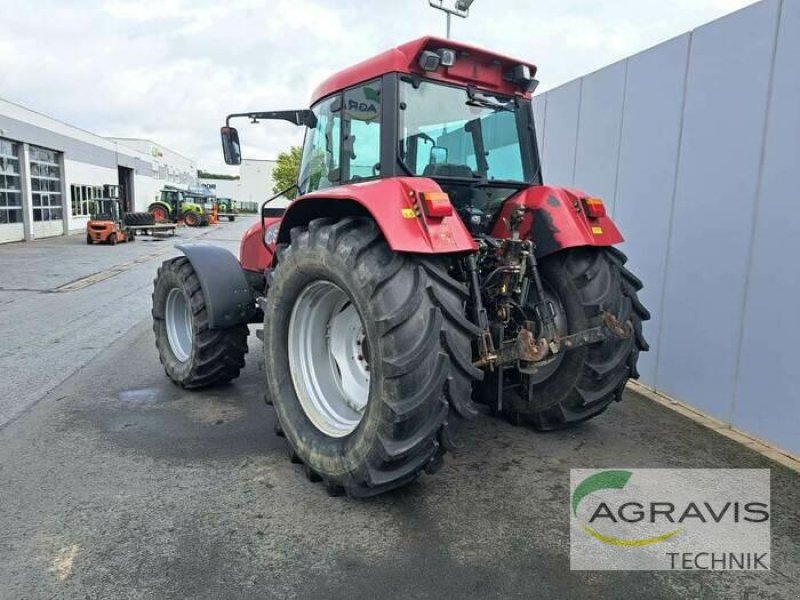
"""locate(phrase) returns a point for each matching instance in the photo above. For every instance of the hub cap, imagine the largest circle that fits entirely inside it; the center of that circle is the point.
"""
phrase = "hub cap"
(328, 358)
(178, 320)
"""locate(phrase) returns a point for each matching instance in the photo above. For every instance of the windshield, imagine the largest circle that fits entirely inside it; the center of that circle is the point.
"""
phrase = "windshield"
(446, 132)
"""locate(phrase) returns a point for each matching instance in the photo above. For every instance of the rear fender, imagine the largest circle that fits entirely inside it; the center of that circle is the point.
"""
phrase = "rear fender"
(555, 219)
(394, 205)
(229, 299)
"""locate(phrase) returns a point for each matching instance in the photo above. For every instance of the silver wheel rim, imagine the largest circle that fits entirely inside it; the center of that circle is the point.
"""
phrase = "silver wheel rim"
(329, 358)
(178, 320)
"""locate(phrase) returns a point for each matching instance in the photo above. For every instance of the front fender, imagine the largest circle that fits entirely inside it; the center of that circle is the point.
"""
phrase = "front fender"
(394, 205)
(555, 219)
(229, 300)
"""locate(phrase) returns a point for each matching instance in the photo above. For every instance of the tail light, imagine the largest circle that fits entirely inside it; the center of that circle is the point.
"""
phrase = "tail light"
(436, 204)
(595, 209)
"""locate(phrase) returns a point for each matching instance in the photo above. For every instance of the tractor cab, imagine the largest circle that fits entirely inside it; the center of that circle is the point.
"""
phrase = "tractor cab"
(432, 108)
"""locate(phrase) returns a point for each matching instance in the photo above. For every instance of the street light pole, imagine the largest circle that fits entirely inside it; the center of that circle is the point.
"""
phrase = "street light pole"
(461, 9)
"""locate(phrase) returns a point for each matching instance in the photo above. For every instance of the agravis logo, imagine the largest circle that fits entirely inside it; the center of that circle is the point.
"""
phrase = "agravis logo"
(705, 519)
(610, 480)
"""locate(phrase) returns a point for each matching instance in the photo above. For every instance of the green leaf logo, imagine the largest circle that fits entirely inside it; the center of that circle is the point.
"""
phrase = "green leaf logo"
(610, 480)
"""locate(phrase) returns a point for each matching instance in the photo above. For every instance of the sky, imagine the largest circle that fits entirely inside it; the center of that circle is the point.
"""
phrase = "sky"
(170, 70)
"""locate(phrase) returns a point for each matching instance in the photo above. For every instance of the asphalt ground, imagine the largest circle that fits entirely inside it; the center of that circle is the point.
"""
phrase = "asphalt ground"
(117, 484)
(63, 302)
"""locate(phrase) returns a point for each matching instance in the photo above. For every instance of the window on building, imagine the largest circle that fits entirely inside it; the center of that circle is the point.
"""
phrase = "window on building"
(362, 131)
(82, 198)
(10, 183)
(45, 184)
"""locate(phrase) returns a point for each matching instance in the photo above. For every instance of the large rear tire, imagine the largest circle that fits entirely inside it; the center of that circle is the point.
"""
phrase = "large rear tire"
(577, 385)
(192, 354)
(366, 352)
(159, 212)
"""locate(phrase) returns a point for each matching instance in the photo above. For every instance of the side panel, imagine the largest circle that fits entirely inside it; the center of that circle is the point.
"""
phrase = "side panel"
(600, 120)
(253, 254)
(767, 397)
(225, 288)
(718, 173)
(394, 204)
(555, 220)
(648, 164)
(561, 133)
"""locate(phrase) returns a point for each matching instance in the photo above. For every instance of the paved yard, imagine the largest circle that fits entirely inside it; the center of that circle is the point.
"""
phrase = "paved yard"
(117, 484)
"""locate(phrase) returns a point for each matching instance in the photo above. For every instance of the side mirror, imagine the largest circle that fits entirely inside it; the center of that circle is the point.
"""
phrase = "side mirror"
(438, 155)
(231, 149)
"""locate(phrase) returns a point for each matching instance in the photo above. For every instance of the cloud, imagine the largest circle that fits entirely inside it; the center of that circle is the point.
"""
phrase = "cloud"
(171, 70)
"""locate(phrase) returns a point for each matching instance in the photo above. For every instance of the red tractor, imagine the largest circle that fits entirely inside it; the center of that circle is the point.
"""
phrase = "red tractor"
(423, 269)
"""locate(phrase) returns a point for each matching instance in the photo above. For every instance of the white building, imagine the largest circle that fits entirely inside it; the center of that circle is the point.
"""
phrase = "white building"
(50, 171)
(253, 186)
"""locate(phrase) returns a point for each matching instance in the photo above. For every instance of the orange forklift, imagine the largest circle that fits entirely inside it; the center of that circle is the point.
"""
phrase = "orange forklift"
(106, 224)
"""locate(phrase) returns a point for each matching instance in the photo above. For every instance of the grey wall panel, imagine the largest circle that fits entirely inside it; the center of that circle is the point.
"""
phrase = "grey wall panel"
(600, 120)
(73, 149)
(726, 99)
(561, 118)
(767, 398)
(648, 165)
(539, 108)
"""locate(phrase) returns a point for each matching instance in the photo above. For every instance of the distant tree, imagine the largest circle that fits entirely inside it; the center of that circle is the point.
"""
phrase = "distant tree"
(206, 175)
(287, 170)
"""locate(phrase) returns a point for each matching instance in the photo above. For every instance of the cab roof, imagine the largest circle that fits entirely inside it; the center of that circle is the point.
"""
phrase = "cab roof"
(474, 66)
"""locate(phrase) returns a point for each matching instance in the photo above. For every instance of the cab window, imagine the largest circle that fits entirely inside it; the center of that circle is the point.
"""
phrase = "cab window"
(362, 131)
(319, 167)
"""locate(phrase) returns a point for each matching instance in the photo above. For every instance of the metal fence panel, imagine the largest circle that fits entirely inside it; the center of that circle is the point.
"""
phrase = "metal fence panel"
(726, 98)
(767, 398)
(539, 109)
(598, 132)
(648, 163)
(561, 129)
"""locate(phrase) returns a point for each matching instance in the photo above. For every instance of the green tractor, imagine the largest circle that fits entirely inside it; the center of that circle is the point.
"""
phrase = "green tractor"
(175, 205)
(226, 207)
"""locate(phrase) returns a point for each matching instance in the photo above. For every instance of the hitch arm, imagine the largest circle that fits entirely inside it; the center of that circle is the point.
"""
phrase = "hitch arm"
(527, 349)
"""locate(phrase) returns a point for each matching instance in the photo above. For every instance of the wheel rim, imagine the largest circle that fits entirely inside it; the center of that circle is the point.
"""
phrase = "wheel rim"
(329, 358)
(178, 320)
(159, 214)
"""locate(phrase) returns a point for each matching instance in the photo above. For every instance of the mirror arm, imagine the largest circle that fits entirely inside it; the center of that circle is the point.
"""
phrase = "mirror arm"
(297, 117)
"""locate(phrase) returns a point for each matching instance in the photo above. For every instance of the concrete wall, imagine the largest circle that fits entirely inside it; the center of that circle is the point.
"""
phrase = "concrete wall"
(694, 145)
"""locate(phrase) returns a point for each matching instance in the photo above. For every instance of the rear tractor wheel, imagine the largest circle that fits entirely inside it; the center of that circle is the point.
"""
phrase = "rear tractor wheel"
(192, 354)
(366, 353)
(159, 212)
(576, 385)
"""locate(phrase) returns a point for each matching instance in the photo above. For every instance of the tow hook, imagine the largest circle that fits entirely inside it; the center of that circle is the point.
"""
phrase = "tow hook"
(526, 348)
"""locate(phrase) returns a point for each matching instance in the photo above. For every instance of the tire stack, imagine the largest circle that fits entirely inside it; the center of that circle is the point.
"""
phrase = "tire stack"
(139, 219)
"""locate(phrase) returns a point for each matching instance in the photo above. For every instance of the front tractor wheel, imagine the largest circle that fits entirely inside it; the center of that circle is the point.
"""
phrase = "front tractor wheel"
(192, 219)
(366, 352)
(192, 354)
(573, 386)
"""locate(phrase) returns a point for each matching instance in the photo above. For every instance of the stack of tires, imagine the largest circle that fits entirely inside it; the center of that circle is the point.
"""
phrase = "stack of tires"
(139, 219)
